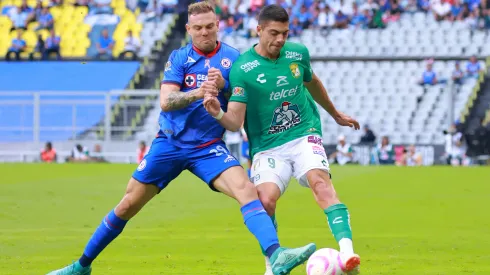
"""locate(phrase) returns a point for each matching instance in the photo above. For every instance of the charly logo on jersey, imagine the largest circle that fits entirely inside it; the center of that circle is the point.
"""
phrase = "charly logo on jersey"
(247, 67)
(285, 117)
(168, 66)
(295, 71)
(260, 78)
(294, 55)
(225, 63)
(282, 80)
(238, 91)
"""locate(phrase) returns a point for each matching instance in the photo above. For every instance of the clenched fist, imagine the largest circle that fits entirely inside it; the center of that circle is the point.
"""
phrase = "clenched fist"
(216, 76)
(208, 88)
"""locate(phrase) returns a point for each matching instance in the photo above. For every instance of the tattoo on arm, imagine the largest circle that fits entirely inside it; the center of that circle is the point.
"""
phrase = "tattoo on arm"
(179, 100)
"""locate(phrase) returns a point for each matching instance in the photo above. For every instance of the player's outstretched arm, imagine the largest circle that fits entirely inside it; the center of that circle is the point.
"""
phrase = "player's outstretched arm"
(320, 95)
(233, 118)
(171, 98)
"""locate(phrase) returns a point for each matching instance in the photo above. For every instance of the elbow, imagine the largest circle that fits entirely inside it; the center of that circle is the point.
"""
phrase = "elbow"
(164, 106)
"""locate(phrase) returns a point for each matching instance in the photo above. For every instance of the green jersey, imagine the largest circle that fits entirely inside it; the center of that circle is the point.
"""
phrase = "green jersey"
(279, 107)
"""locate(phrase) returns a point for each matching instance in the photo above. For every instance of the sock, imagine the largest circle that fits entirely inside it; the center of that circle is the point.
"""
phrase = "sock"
(249, 173)
(274, 222)
(107, 231)
(339, 222)
(261, 226)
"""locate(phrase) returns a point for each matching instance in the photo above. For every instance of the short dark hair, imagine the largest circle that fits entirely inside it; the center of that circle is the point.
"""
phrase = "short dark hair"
(273, 13)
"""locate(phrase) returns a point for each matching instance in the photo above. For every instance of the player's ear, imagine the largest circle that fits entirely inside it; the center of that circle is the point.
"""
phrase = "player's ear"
(217, 24)
(259, 29)
(187, 27)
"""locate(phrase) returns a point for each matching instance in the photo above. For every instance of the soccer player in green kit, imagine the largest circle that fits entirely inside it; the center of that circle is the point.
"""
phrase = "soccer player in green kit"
(274, 91)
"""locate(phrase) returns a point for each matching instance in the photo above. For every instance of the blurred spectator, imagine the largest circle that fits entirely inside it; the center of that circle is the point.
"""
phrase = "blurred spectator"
(455, 147)
(429, 77)
(304, 17)
(343, 153)
(131, 45)
(142, 4)
(410, 6)
(394, 13)
(456, 11)
(457, 74)
(250, 24)
(79, 154)
(473, 67)
(19, 19)
(385, 152)
(341, 20)
(105, 45)
(49, 153)
(168, 6)
(142, 151)
(441, 9)
(55, 3)
(411, 157)
(100, 7)
(36, 12)
(358, 20)
(18, 46)
(45, 20)
(368, 137)
(424, 5)
(52, 45)
(39, 48)
(369, 5)
(233, 141)
(326, 18)
(295, 29)
(96, 155)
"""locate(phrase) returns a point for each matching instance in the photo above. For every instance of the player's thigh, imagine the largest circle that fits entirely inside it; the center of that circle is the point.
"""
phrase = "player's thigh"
(269, 167)
(308, 154)
(210, 162)
(234, 183)
(163, 163)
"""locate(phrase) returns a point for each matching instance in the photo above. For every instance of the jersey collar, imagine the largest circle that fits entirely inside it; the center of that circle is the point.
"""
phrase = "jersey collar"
(208, 55)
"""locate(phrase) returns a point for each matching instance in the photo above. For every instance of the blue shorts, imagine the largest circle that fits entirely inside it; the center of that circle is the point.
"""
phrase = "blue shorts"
(245, 152)
(164, 162)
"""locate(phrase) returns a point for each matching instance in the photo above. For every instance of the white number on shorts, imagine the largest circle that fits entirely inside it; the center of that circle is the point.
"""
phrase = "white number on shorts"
(219, 151)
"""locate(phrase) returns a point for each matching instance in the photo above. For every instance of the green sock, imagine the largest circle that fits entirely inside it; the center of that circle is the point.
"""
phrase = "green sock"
(339, 221)
(273, 218)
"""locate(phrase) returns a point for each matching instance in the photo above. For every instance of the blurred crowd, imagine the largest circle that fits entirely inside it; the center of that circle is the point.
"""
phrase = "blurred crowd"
(240, 16)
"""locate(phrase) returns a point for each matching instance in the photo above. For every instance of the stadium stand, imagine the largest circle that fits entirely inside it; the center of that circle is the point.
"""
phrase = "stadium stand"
(75, 107)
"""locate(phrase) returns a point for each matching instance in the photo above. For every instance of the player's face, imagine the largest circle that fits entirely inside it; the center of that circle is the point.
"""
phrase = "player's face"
(203, 29)
(273, 35)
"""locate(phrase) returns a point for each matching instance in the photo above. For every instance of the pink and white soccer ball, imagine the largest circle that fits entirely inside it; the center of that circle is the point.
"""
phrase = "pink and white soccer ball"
(325, 261)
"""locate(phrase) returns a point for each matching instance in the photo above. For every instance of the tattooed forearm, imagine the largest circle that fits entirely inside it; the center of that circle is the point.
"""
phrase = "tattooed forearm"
(179, 100)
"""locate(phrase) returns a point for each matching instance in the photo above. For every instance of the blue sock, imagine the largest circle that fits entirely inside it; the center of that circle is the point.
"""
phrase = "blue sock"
(107, 231)
(260, 224)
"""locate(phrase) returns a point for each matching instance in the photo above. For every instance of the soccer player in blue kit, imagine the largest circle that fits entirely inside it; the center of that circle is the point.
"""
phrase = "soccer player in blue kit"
(190, 139)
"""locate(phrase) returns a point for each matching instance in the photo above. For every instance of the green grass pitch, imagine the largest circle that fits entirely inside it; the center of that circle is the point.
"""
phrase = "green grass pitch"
(429, 220)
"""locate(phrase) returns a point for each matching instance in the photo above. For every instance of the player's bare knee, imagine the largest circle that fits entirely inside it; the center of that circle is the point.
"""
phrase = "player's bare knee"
(268, 202)
(244, 191)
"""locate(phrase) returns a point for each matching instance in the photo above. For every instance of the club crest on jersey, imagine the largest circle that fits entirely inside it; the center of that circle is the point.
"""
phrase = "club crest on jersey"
(295, 70)
(142, 165)
(238, 91)
(190, 80)
(285, 117)
(168, 66)
(225, 63)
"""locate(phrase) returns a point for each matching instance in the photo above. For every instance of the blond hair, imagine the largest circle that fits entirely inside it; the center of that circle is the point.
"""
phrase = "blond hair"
(200, 7)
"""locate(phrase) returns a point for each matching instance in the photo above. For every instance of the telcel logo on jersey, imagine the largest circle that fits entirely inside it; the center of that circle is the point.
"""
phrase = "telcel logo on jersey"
(283, 93)
(294, 55)
(247, 67)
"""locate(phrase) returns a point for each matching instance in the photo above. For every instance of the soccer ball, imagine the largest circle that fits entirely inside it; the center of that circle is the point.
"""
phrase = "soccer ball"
(325, 261)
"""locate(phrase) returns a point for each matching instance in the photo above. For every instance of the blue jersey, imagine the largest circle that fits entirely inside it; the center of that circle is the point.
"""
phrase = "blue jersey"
(187, 68)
